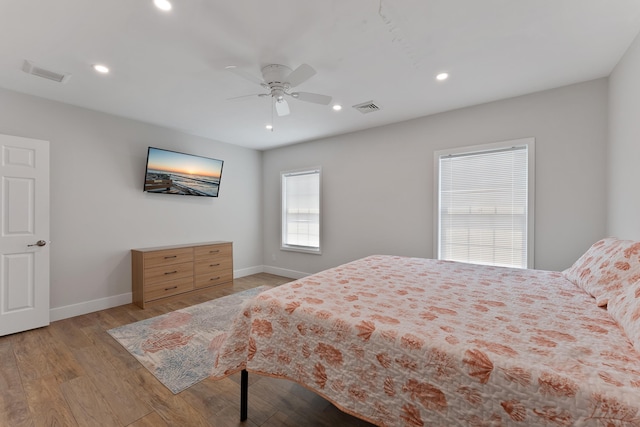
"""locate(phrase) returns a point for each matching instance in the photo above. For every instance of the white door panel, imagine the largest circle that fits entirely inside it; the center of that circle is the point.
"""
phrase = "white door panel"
(24, 228)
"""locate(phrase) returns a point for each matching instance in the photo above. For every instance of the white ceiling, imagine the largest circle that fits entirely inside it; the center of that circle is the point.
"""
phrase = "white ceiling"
(169, 68)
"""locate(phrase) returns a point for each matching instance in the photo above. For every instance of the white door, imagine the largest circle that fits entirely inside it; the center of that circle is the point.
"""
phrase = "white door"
(24, 234)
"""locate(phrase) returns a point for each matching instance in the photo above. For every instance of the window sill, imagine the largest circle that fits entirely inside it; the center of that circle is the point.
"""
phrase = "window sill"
(301, 249)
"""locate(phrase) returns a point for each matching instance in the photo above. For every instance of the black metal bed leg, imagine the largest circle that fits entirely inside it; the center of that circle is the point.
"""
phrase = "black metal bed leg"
(244, 394)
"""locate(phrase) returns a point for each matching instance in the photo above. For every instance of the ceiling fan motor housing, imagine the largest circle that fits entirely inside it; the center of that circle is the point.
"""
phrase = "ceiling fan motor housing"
(274, 76)
(275, 73)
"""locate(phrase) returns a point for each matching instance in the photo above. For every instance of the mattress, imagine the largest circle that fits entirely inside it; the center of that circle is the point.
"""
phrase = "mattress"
(403, 341)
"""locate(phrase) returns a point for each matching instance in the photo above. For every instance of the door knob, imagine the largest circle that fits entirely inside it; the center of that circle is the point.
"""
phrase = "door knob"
(39, 243)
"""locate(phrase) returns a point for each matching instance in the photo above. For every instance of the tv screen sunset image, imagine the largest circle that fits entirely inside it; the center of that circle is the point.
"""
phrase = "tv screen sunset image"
(170, 172)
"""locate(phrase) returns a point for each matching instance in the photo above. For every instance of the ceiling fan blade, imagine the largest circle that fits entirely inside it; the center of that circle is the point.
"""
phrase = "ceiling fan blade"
(300, 75)
(282, 108)
(245, 75)
(253, 95)
(316, 98)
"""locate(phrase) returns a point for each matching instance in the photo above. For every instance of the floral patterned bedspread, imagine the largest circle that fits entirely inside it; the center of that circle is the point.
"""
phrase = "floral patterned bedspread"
(416, 342)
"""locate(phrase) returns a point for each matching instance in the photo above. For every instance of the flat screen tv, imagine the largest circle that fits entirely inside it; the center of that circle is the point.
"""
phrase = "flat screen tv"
(170, 172)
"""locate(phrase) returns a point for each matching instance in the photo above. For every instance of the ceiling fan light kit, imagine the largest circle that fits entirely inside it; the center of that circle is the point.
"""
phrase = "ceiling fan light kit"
(278, 80)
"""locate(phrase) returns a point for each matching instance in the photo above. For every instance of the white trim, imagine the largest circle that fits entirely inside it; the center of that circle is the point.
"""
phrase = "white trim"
(65, 312)
(81, 308)
(292, 274)
(248, 271)
(301, 249)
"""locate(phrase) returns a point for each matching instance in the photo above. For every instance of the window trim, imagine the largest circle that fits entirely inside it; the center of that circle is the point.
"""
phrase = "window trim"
(298, 248)
(531, 178)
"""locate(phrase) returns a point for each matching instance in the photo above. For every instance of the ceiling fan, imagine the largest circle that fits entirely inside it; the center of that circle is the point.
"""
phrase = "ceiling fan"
(279, 80)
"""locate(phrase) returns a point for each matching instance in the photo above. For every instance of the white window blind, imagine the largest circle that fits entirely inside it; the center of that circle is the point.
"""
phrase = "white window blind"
(301, 210)
(484, 206)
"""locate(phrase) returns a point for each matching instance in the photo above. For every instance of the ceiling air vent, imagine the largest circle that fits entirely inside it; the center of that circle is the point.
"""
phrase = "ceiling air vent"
(367, 107)
(30, 68)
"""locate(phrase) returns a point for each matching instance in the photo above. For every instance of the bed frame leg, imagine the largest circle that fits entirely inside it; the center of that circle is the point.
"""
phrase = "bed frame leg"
(244, 394)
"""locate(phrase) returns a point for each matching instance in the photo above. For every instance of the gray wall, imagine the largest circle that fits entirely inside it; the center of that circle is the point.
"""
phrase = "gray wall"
(623, 218)
(378, 184)
(99, 211)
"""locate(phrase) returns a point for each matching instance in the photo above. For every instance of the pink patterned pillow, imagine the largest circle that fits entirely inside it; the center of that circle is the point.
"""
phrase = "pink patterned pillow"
(625, 309)
(607, 268)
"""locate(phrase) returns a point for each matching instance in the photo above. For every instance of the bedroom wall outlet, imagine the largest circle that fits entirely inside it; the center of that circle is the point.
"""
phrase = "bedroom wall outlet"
(273, 256)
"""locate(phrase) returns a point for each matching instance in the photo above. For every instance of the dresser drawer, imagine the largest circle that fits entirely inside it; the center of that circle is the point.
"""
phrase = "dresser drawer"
(167, 257)
(165, 273)
(213, 251)
(212, 266)
(168, 288)
(214, 278)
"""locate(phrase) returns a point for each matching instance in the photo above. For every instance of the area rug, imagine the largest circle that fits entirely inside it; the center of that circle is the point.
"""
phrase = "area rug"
(181, 348)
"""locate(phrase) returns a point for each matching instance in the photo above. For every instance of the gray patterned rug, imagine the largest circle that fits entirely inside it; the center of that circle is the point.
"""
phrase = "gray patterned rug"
(180, 348)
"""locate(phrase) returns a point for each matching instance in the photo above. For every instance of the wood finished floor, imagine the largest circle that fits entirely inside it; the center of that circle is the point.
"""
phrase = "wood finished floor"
(72, 373)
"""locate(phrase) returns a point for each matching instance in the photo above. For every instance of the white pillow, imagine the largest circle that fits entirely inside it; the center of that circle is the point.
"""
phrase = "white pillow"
(625, 309)
(607, 268)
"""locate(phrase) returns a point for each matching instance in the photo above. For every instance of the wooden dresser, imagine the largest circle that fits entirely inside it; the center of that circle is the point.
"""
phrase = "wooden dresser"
(170, 272)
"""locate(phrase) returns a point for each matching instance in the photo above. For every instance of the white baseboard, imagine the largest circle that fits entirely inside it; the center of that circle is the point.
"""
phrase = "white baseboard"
(81, 308)
(293, 274)
(248, 271)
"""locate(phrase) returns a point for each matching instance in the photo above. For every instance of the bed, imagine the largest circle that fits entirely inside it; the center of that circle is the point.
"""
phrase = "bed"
(401, 341)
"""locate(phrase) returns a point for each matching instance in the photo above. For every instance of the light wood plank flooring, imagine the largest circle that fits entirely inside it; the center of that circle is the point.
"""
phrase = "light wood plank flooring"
(72, 373)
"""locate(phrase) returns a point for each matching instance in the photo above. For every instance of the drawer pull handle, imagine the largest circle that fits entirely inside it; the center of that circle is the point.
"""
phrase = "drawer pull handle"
(172, 256)
(214, 252)
(214, 278)
(168, 289)
(171, 272)
(214, 265)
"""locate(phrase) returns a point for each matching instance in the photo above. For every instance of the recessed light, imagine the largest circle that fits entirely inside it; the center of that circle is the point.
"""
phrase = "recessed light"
(162, 4)
(102, 69)
(337, 107)
(442, 76)
(269, 127)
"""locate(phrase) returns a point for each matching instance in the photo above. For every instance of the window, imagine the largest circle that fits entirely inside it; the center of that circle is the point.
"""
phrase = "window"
(484, 206)
(301, 210)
